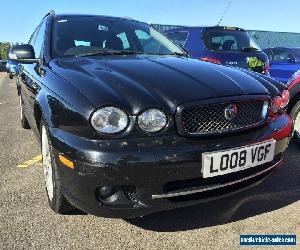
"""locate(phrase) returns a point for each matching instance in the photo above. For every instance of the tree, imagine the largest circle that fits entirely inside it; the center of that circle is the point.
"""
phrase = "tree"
(4, 50)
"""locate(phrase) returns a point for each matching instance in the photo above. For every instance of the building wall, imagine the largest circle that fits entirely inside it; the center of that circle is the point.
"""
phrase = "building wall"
(163, 27)
(265, 39)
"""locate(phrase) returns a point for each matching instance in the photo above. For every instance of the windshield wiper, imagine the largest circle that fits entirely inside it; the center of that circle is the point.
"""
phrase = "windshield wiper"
(110, 52)
(178, 54)
(246, 49)
(125, 52)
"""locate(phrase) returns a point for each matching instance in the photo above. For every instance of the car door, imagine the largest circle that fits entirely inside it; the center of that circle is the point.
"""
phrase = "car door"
(30, 75)
(282, 64)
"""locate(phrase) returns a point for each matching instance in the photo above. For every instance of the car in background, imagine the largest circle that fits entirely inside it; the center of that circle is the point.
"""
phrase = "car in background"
(284, 62)
(2, 65)
(12, 68)
(228, 46)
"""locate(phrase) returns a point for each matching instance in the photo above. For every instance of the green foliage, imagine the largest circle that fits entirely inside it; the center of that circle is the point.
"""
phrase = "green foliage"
(4, 50)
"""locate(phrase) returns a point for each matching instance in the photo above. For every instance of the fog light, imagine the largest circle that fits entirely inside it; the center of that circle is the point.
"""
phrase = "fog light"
(106, 191)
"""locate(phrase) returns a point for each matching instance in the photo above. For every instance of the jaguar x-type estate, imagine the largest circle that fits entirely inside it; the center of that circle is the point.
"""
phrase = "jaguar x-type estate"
(129, 125)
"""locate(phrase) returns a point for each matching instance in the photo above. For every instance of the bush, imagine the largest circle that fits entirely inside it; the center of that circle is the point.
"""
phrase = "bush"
(4, 50)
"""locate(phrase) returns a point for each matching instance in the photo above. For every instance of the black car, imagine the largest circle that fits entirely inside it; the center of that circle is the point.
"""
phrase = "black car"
(129, 125)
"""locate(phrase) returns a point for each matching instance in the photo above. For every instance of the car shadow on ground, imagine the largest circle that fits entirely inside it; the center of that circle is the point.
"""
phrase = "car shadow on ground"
(75, 212)
(281, 189)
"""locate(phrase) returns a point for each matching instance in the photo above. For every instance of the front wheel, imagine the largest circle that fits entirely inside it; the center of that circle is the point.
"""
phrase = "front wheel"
(56, 200)
(11, 76)
(295, 115)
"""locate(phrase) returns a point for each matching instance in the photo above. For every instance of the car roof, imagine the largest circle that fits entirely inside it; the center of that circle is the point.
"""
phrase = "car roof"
(185, 28)
(282, 48)
(59, 16)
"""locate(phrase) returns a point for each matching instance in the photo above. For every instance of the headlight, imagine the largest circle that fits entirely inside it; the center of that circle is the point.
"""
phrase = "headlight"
(265, 109)
(279, 103)
(152, 120)
(109, 120)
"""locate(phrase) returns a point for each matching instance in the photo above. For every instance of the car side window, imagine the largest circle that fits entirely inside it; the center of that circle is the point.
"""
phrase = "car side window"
(269, 54)
(227, 42)
(179, 38)
(39, 40)
(282, 55)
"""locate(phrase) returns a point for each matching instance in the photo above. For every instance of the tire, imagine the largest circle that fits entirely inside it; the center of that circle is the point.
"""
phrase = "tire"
(11, 76)
(295, 115)
(57, 202)
(24, 121)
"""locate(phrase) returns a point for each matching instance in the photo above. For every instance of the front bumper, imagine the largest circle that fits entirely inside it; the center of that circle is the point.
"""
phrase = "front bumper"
(156, 173)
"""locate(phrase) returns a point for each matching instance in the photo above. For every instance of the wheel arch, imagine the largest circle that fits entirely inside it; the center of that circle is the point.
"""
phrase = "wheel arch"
(59, 113)
(42, 110)
(294, 97)
(38, 113)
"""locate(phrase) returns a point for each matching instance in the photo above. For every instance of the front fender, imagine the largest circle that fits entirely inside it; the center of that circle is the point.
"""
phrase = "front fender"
(294, 96)
(275, 87)
(71, 116)
(42, 108)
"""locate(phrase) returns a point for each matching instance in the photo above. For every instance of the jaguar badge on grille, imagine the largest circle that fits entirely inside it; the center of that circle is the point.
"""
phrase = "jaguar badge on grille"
(230, 112)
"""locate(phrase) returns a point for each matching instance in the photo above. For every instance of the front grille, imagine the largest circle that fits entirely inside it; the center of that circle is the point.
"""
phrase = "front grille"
(207, 119)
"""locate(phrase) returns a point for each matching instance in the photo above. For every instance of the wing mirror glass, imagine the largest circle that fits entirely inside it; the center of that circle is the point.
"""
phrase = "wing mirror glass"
(23, 54)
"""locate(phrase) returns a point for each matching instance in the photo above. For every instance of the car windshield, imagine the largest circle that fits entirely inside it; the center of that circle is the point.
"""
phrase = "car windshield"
(297, 52)
(222, 39)
(89, 35)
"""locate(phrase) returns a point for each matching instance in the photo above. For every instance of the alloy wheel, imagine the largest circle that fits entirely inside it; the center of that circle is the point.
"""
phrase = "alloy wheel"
(21, 108)
(297, 124)
(47, 163)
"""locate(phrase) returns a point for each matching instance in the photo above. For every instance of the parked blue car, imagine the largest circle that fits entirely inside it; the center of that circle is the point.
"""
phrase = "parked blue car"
(12, 68)
(2, 65)
(229, 46)
(284, 62)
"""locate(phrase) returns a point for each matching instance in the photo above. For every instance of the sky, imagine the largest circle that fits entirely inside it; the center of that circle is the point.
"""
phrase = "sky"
(20, 17)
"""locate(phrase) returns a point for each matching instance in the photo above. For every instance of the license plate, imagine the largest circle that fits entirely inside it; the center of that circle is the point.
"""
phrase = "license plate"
(237, 159)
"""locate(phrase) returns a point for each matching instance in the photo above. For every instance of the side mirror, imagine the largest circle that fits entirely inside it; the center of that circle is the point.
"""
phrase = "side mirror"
(23, 54)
